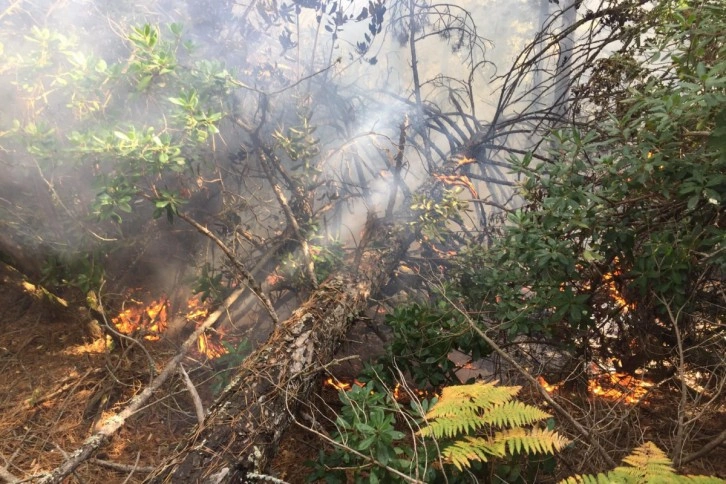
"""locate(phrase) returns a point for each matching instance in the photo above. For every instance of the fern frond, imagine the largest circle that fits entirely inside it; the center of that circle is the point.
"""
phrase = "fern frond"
(647, 464)
(463, 452)
(453, 426)
(470, 399)
(531, 441)
(599, 479)
(701, 480)
(649, 457)
(514, 414)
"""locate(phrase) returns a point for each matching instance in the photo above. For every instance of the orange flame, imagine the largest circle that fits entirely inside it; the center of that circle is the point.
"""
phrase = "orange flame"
(398, 393)
(618, 386)
(150, 320)
(337, 384)
(549, 388)
(609, 385)
(614, 292)
(208, 344)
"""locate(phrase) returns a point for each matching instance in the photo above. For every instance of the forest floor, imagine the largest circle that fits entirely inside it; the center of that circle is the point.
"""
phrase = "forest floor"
(58, 381)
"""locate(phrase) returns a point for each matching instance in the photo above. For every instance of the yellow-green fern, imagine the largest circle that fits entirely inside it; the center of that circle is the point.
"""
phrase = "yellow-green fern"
(485, 422)
(647, 464)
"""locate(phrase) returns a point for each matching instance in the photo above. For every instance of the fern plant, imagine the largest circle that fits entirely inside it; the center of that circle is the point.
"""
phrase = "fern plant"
(645, 465)
(482, 422)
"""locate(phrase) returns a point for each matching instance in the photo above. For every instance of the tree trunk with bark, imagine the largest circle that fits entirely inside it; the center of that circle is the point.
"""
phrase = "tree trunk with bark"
(242, 429)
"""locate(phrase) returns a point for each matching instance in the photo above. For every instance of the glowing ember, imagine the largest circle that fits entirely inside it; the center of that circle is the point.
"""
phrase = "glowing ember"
(618, 386)
(549, 388)
(150, 320)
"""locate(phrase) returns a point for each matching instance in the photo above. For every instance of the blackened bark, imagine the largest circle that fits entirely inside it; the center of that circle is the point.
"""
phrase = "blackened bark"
(244, 426)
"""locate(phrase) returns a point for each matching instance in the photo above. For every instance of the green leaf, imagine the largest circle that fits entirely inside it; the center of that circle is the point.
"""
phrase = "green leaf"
(121, 136)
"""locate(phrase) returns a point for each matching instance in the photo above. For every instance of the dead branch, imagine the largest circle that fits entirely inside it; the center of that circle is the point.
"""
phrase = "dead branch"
(120, 467)
(715, 442)
(198, 407)
(396, 169)
(246, 275)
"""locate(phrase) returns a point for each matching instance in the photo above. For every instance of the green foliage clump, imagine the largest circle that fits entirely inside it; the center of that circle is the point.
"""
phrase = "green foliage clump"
(432, 216)
(479, 429)
(423, 338)
(367, 424)
(326, 258)
(134, 153)
(626, 222)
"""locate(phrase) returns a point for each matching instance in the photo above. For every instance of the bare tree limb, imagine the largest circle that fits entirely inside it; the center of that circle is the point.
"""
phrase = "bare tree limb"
(198, 407)
(715, 442)
(251, 282)
(119, 467)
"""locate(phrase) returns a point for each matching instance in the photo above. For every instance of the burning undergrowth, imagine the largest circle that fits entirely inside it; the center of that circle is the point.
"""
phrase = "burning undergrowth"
(143, 316)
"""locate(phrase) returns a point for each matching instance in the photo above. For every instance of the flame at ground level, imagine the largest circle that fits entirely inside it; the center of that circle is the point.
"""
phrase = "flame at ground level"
(148, 321)
(613, 386)
(398, 392)
(138, 319)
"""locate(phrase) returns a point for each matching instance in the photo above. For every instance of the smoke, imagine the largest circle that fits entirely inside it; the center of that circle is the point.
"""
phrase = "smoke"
(89, 112)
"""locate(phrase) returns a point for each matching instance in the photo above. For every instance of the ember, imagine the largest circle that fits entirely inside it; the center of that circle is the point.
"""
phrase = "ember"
(618, 386)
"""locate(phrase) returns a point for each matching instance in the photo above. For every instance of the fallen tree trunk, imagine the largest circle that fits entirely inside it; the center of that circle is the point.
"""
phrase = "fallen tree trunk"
(244, 426)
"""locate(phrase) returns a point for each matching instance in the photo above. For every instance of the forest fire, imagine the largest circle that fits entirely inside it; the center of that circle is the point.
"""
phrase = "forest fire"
(618, 386)
(397, 393)
(151, 320)
(340, 385)
(614, 386)
(613, 291)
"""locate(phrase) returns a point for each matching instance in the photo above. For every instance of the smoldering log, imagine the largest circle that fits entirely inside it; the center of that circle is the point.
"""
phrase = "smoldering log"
(244, 426)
